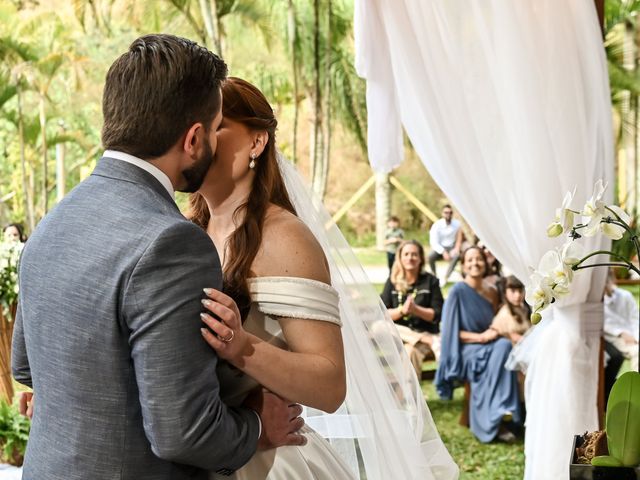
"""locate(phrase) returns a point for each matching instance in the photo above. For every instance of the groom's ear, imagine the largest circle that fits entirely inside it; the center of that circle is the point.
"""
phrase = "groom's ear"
(193, 139)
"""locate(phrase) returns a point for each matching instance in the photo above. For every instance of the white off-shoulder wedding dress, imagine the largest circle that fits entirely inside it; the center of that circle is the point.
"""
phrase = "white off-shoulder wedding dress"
(274, 297)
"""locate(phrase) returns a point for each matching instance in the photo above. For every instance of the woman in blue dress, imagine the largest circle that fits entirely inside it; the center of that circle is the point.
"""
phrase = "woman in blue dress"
(473, 352)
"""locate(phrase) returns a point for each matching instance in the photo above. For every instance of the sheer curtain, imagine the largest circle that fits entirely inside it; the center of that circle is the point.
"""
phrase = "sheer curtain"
(384, 429)
(507, 104)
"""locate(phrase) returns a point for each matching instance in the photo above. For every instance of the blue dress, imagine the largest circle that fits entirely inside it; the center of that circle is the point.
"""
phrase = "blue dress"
(494, 390)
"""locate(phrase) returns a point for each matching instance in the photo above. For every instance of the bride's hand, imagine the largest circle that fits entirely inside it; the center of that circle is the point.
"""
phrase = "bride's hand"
(229, 339)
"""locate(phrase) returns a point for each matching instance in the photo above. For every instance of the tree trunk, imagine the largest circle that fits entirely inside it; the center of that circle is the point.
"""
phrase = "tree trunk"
(629, 139)
(326, 113)
(28, 203)
(636, 123)
(209, 25)
(61, 178)
(293, 40)
(383, 207)
(43, 131)
(316, 133)
(6, 332)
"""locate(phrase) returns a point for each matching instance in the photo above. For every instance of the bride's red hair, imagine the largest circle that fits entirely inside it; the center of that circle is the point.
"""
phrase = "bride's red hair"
(242, 102)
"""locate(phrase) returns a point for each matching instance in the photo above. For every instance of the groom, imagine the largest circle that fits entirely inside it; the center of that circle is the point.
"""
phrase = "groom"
(108, 328)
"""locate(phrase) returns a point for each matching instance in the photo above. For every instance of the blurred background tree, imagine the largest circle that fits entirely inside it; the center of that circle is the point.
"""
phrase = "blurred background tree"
(55, 54)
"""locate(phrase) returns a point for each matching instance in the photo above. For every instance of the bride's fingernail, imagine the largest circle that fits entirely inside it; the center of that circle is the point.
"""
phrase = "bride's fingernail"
(204, 316)
(208, 291)
(206, 302)
(204, 331)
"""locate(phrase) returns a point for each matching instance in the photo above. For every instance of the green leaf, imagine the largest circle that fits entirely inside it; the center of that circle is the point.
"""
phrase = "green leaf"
(623, 419)
(605, 461)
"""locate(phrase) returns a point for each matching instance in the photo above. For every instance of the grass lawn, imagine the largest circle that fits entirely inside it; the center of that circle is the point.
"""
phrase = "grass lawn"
(370, 256)
(476, 460)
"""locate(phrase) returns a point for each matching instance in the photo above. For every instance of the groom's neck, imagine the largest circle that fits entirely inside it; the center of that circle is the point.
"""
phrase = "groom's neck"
(170, 165)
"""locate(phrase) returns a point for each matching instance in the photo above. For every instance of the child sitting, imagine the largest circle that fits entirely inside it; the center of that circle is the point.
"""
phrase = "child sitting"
(512, 319)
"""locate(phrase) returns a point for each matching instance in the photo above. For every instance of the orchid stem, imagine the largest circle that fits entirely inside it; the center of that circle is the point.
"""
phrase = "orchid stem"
(627, 264)
(582, 267)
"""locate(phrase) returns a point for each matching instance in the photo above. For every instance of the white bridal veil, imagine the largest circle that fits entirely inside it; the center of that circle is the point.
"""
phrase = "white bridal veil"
(384, 429)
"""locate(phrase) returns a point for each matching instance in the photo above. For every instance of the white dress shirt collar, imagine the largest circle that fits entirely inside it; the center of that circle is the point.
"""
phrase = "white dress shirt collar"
(144, 165)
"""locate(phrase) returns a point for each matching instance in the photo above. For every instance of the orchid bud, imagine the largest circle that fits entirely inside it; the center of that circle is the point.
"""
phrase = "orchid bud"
(554, 230)
(535, 318)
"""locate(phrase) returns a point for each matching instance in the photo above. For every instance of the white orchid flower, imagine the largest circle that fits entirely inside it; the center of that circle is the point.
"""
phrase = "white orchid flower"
(571, 253)
(594, 210)
(564, 218)
(539, 292)
(595, 205)
(624, 216)
(613, 231)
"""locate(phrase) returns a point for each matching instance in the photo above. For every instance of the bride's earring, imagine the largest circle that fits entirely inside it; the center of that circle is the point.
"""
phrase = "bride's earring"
(252, 163)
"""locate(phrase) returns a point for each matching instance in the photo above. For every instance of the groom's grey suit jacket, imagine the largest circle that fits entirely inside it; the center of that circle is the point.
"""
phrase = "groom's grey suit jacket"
(108, 336)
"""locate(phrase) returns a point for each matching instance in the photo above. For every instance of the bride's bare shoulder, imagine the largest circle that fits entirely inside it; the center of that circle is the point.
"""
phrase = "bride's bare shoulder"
(289, 249)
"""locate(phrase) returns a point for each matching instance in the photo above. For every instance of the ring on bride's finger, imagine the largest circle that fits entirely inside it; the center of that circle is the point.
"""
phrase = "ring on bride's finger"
(229, 338)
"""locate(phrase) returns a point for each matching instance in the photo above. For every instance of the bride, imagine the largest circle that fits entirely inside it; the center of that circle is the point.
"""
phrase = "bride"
(301, 305)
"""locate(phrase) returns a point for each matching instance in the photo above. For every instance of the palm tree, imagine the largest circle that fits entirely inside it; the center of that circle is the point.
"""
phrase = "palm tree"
(292, 31)
(208, 20)
(15, 55)
(622, 47)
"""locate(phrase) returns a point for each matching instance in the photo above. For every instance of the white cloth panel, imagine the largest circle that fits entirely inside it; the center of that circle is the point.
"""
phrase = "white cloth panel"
(384, 428)
(507, 104)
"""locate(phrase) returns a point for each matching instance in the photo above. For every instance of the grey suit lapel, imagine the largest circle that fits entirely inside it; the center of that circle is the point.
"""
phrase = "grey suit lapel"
(120, 170)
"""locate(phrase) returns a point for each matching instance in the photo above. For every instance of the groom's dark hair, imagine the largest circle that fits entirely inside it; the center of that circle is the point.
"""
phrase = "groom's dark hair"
(155, 91)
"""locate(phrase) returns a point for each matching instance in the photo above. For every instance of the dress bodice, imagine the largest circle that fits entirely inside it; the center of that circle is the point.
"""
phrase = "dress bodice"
(272, 298)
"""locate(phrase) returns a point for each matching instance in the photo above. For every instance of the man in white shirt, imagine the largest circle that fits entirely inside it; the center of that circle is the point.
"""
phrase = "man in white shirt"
(621, 321)
(445, 242)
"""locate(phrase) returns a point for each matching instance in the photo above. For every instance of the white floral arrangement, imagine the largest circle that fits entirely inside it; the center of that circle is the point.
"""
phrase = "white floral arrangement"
(553, 277)
(9, 259)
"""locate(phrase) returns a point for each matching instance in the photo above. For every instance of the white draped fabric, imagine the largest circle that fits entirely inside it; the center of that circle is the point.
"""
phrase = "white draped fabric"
(507, 104)
(384, 429)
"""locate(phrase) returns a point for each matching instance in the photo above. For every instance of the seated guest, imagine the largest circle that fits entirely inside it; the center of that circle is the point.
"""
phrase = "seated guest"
(621, 320)
(613, 360)
(445, 242)
(14, 233)
(512, 320)
(414, 300)
(473, 352)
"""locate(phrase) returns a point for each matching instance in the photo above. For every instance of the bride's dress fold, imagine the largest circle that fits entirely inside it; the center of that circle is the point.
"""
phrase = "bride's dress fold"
(297, 298)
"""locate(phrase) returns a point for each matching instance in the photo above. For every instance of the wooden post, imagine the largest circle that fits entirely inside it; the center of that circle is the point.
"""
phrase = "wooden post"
(354, 198)
(413, 199)
(6, 332)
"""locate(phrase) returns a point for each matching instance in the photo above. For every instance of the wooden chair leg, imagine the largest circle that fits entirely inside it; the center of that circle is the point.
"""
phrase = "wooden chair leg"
(464, 416)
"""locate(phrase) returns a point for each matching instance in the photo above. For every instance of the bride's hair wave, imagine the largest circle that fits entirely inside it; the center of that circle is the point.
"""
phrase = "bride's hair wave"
(244, 103)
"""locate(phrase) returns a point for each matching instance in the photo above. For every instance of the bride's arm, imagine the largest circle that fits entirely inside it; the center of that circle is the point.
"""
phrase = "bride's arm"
(312, 372)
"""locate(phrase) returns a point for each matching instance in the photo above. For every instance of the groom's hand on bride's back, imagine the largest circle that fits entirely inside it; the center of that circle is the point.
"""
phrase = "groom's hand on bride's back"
(281, 421)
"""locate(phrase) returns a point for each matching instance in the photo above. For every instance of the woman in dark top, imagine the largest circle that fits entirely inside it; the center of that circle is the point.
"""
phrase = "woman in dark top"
(414, 301)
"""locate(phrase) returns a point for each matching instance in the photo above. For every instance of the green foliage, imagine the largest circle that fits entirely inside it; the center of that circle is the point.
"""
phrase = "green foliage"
(9, 257)
(14, 432)
(624, 247)
(623, 422)
(606, 461)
